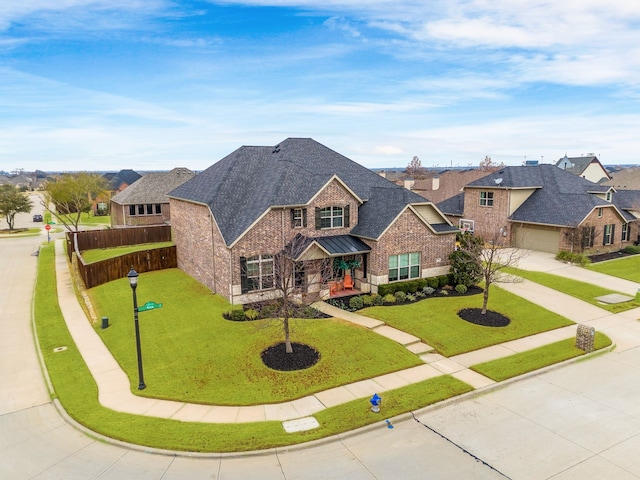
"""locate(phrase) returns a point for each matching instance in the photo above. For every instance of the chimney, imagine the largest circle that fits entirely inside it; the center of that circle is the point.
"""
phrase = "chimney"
(408, 183)
(382, 173)
(435, 182)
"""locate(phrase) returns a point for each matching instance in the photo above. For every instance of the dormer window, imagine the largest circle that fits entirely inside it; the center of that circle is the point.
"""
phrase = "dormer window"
(608, 197)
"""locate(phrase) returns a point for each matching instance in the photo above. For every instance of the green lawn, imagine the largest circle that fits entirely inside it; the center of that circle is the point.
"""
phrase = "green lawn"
(77, 391)
(586, 292)
(435, 321)
(191, 353)
(627, 268)
(524, 362)
(87, 219)
(96, 255)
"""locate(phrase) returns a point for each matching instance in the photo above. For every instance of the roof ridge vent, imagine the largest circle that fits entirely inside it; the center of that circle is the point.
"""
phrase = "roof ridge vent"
(276, 149)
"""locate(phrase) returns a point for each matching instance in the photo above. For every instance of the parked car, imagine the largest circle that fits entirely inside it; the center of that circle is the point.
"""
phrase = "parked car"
(37, 218)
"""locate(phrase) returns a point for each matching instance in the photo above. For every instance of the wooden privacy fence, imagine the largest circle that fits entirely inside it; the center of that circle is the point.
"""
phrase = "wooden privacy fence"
(94, 274)
(117, 237)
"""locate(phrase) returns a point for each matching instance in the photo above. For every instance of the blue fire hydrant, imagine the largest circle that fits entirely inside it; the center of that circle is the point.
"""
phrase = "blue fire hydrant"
(376, 400)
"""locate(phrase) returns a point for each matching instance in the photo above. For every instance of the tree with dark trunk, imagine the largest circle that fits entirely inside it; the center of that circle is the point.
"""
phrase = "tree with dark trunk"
(297, 283)
(485, 260)
(11, 202)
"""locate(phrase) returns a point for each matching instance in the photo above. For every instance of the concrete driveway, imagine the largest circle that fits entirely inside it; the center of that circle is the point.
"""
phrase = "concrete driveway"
(578, 421)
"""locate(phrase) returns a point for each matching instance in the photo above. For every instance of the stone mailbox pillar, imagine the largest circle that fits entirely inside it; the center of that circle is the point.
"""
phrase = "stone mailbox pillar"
(585, 337)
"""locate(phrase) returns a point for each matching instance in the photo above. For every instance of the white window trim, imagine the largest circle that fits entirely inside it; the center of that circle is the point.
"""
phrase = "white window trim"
(486, 201)
(332, 217)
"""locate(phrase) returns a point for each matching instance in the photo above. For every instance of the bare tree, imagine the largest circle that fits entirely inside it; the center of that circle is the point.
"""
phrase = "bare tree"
(487, 259)
(489, 165)
(415, 168)
(297, 283)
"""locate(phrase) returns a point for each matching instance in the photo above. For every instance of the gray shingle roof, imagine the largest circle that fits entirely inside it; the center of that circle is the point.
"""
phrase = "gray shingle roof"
(453, 205)
(246, 183)
(153, 187)
(561, 198)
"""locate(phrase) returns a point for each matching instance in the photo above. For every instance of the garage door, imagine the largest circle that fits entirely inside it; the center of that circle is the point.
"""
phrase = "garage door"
(539, 239)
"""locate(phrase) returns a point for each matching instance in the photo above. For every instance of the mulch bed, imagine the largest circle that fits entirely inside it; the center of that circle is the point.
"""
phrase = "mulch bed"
(489, 319)
(601, 257)
(303, 356)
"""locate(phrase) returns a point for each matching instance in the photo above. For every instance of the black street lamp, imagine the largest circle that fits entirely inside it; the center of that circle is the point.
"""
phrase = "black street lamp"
(133, 281)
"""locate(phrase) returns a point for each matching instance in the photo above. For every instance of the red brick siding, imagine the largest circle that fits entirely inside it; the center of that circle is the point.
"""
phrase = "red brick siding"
(120, 216)
(488, 220)
(409, 234)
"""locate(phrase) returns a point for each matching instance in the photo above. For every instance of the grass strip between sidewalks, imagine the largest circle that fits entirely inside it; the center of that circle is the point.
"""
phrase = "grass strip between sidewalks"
(587, 292)
(627, 268)
(535, 359)
(77, 392)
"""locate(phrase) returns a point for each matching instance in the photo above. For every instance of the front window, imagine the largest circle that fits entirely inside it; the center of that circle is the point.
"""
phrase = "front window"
(140, 209)
(149, 209)
(158, 208)
(625, 232)
(404, 266)
(132, 210)
(297, 218)
(607, 238)
(260, 272)
(486, 199)
(600, 213)
(331, 217)
(588, 234)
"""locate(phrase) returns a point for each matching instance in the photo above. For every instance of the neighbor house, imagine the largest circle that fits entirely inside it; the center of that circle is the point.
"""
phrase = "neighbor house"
(545, 208)
(145, 201)
(588, 167)
(229, 221)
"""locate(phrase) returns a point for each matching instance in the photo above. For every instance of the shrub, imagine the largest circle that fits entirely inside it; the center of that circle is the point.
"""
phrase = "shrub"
(378, 300)
(428, 290)
(420, 294)
(367, 300)
(251, 314)
(386, 289)
(461, 288)
(411, 297)
(632, 249)
(356, 303)
(443, 280)
(433, 282)
(444, 292)
(400, 296)
(235, 315)
(572, 257)
(389, 298)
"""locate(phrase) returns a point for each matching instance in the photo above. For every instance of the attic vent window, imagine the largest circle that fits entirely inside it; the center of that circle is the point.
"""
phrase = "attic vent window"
(276, 149)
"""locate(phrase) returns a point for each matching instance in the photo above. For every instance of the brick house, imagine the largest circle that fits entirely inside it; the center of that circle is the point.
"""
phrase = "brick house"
(231, 219)
(145, 201)
(546, 208)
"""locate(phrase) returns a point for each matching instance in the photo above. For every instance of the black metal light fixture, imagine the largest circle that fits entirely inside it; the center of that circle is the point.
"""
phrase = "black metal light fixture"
(133, 281)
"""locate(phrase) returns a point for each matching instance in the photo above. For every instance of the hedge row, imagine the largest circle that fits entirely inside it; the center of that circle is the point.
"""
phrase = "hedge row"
(413, 286)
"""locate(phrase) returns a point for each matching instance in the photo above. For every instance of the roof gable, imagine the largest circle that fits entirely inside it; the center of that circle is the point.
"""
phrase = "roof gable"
(242, 186)
(153, 187)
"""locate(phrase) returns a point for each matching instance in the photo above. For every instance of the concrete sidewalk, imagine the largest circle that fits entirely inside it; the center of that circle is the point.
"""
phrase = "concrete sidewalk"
(115, 389)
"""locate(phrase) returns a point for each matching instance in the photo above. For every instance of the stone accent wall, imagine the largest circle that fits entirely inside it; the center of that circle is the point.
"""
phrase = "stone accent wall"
(488, 220)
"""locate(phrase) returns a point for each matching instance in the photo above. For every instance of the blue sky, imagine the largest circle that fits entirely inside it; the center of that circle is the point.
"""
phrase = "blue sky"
(155, 84)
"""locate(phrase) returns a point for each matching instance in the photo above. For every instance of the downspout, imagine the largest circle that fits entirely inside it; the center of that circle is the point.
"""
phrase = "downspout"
(213, 251)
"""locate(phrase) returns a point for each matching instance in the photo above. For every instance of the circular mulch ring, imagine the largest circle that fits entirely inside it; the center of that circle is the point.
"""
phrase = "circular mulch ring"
(489, 319)
(303, 356)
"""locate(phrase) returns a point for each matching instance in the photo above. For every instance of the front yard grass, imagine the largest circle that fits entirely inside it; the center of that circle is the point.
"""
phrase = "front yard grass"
(192, 354)
(627, 268)
(524, 362)
(99, 254)
(435, 321)
(77, 392)
(586, 292)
